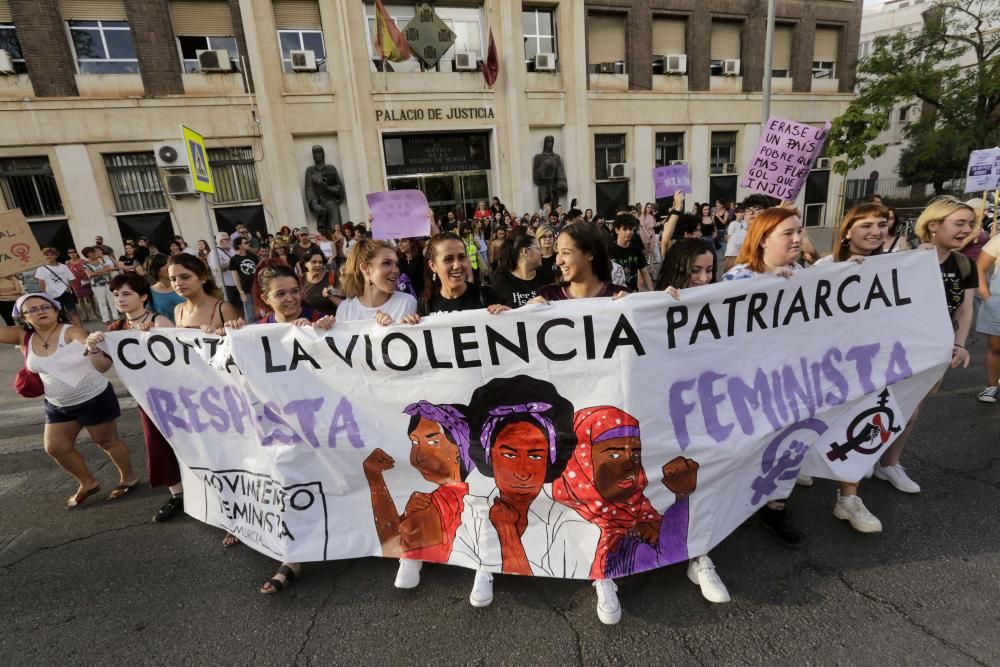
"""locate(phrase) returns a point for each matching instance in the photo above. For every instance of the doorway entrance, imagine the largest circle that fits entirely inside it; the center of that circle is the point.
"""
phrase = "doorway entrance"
(446, 191)
(451, 168)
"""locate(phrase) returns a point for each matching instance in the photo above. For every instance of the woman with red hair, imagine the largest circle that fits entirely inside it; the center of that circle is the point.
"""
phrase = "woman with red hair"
(771, 247)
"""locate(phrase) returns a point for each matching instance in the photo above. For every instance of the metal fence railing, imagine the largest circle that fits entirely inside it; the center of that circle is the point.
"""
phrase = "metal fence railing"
(894, 193)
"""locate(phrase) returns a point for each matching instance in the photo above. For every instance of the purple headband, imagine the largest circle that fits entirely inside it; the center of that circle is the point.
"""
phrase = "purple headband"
(449, 418)
(533, 410)
(617, 432)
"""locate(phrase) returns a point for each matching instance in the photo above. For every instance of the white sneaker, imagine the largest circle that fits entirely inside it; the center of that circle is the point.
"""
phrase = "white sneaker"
(408, 575)
(482, 590)
(701, 572)
(989, 395)
(608, 609)
(804, 480)
(851, 509)
(896, 475)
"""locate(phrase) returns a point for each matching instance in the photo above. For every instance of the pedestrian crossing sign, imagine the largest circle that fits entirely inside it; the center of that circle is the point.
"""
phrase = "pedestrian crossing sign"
(201, 173)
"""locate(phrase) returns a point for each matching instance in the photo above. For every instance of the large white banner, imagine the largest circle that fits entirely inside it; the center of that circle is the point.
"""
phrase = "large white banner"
(580, 439)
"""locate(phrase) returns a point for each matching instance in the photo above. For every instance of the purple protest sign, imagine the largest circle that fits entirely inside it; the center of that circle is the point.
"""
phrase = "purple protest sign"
(671, 178)
(399, 214)
(784, 155)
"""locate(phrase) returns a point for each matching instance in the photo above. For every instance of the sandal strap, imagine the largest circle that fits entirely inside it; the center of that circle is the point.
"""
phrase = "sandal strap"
(287, 571)
(277, 585)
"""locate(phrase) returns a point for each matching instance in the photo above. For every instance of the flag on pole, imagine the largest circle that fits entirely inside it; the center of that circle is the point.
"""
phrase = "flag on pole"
(389, 40)
(491, 66)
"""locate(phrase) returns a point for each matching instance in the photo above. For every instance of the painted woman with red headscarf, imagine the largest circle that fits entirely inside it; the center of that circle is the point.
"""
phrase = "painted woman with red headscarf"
(605, 483)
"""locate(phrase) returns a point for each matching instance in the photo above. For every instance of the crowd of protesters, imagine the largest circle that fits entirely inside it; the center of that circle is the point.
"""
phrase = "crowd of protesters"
(493, 261)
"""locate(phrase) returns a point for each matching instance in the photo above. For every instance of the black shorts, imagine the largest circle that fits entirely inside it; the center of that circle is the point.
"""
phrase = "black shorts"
(68, 301)
(98, 410)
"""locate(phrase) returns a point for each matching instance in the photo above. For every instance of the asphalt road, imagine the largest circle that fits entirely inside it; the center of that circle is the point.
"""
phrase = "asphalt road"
(103, 585)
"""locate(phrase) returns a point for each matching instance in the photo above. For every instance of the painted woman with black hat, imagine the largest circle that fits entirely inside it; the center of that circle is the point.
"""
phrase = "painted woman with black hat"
(77, 395)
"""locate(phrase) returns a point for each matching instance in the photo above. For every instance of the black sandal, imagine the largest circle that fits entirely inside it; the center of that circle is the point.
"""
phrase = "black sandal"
(277, 585)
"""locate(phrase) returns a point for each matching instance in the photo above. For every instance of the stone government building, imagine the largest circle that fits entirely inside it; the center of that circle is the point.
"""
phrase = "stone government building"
(91, 89)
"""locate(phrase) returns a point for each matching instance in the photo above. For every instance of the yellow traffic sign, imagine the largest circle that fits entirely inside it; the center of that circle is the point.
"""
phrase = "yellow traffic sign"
(201, 173)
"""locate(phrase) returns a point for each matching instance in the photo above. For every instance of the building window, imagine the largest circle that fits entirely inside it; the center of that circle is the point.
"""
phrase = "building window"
(606, 43)
(781, 60)
(190, 46)
(135, 182)
(725, 45)
(539, 34)
(28, 184)
(609, 149)
(825, 48)
(824, 69)
(9, 43)
(669, 40)
(234, 173)
(103, 47)
(669, 147)
(465, 22)
(301, 40)
(723, 158)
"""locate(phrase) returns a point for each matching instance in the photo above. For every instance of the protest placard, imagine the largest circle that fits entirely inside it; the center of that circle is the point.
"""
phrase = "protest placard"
(667, 180)
(399, 214)
(19, 250)
(784, 155)
(313, 445)
(983, 170)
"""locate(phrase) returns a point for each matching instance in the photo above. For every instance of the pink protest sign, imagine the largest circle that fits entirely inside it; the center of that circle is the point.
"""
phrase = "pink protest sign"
(784, 155)
(669, 179)
(399, 214)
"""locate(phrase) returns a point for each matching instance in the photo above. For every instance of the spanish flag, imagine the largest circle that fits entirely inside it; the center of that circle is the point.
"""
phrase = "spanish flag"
(389, 40)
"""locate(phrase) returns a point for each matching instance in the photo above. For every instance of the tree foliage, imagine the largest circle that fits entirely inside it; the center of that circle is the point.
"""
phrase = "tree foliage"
(960, 104)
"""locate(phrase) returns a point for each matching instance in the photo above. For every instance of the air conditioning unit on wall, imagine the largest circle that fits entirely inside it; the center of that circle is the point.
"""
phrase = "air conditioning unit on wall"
(545, 62)
(171, 155)
(618, 171)
(303, 61)
(675, 63)
(822, 163)
(466, 62)
(6, 62)
(180, 185)
(214, 60)
(729, 168)
(731, 67)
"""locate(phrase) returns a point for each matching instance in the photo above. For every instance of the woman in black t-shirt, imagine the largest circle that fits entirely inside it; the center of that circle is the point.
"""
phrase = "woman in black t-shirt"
(445, 288)
(517, 278)
(411, 262)
(943, 227)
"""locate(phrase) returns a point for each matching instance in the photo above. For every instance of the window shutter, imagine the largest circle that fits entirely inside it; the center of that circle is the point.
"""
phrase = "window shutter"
(606, 38)
(725, 40)
(5, 16)
(297, 15)
(201, 19)
(93, 10)
(782, 47)
(668, 36)
(827, 45)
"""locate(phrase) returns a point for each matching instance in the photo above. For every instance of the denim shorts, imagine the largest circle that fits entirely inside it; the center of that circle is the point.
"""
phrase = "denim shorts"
(98, 410)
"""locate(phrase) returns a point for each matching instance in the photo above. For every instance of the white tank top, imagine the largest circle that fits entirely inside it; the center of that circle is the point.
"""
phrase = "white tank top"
(68, 377)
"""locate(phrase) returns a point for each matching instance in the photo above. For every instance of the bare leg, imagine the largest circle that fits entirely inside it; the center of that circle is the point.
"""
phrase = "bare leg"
(106, 437)
(895, 450)
(59, 444)
(848, 488)
(993, 361)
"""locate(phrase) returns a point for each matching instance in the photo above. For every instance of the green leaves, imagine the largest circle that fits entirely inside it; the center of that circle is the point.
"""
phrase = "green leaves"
(950, 70)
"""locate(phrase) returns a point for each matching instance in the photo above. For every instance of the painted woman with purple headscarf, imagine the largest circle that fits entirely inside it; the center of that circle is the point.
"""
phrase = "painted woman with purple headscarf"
(425, 531)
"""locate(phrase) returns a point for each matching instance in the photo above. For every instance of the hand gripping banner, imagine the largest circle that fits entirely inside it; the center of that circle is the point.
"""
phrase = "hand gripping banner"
(583, 439)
